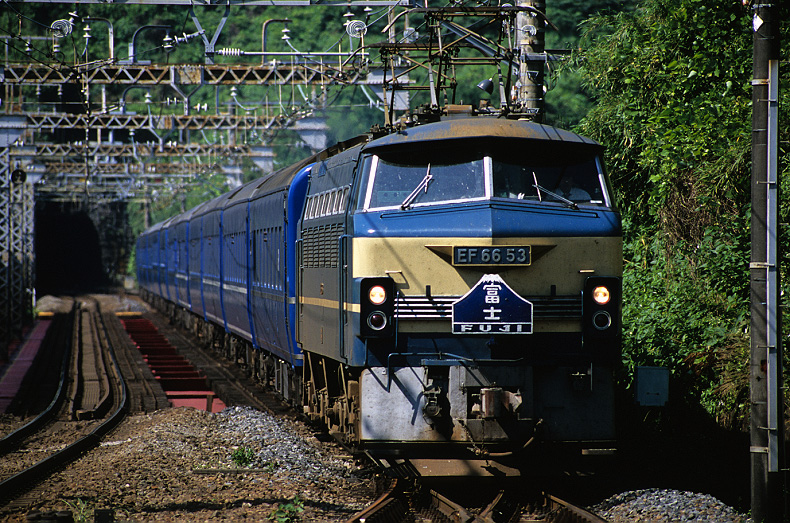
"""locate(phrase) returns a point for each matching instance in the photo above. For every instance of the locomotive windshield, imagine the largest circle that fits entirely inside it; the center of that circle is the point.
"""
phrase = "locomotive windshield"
(571, 181)
(405, 183)
(412, 180)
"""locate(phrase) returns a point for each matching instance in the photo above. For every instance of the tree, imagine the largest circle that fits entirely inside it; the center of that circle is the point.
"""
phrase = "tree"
(672, 83)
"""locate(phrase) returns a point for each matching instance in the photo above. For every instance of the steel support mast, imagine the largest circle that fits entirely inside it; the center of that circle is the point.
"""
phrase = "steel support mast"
(766, 420)
(530, 40)
(16, 245)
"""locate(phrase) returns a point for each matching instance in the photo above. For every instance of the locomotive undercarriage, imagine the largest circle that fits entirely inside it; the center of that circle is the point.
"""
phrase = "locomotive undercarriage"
(333, 398)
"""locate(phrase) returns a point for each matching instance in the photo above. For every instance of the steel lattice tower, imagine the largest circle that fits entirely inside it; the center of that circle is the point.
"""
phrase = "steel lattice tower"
(16, 253)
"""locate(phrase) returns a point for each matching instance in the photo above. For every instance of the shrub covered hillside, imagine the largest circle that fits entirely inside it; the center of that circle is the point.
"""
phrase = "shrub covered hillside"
(672, 81)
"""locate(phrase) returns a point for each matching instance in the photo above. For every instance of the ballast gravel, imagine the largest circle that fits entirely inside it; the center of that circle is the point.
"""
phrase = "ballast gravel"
(183, 464)
(670, 506)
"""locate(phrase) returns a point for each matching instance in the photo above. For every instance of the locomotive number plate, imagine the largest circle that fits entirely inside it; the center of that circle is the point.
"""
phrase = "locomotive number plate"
(494, 255)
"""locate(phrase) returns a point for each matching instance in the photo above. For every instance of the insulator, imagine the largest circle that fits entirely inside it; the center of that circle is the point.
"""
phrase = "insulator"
(232, 51)
(167, 43)
(61, 28)
(410, 35)
(356, 28)
(184, 38)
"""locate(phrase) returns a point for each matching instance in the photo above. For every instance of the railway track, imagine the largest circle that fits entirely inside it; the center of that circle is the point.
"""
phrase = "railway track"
(404, 501)
(90, 400)
(231, 383)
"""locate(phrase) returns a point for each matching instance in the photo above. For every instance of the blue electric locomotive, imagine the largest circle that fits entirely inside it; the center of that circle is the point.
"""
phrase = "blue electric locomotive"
(448, 290)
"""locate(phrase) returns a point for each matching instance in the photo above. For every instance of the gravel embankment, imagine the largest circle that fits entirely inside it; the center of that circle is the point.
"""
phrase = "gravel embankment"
(666, 506)
(178, 465)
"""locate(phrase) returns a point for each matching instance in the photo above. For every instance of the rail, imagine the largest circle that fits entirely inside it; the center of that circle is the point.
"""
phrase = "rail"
(404, 501)
(59, 333)
(19, 482)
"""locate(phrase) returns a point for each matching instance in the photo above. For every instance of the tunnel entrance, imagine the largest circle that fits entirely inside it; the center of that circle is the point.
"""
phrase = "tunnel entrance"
(79, 250)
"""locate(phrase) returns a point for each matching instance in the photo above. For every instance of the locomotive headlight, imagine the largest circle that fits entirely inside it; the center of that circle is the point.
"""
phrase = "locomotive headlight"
(376, 307)
(377, 321)
(601, 314)
(601, 295)
(377, 295)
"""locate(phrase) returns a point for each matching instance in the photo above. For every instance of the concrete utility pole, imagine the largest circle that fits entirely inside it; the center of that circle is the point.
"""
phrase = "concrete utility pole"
(530, 41)
(766, 421)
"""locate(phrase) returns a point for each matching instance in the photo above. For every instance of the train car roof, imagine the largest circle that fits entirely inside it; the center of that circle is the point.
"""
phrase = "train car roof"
(239, 193)
(185, 216)
(158, 226)
(479, 128)
(281, 178)
(154, 228)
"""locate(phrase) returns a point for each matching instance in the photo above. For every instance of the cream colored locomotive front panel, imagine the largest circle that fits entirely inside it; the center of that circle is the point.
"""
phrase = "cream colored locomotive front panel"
(416, 263)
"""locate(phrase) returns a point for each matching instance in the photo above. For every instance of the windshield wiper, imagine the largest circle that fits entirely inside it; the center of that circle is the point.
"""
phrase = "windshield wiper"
(537, 186)
(563, 199)
(422, 186)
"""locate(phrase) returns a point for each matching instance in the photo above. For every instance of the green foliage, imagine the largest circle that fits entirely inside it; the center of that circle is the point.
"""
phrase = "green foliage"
(243, 457)
(81, 510)
(567, 102)
(270, 467)
(672, 81)
(287, 512)
(673, 108)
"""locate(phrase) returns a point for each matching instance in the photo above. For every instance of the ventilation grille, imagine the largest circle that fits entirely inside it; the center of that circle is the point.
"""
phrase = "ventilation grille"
(321, 246)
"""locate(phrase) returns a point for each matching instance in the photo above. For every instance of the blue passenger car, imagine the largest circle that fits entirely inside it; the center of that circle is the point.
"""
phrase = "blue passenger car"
(235, 261)
(178, 230)
(171, 258)
(211, 251)
(195, 263)
(274, 210)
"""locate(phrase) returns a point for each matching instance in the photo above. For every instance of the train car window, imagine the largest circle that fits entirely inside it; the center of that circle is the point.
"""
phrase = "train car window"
(342, 199)
(314, 207)
(310, 206)
(321, 204)
(425, 180)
